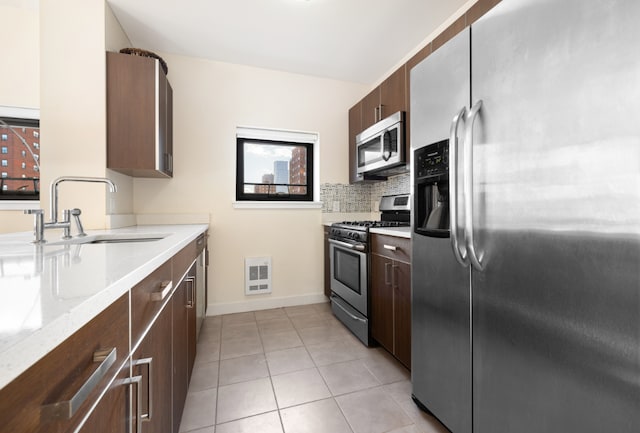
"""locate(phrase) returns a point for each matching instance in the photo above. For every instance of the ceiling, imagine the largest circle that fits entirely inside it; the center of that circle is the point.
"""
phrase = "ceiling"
(349, 40)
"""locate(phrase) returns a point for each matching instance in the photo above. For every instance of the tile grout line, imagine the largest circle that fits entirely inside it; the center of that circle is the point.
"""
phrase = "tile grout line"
(273, 389)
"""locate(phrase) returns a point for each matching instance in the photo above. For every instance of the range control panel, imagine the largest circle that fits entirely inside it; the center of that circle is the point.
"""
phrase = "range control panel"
(432, 160)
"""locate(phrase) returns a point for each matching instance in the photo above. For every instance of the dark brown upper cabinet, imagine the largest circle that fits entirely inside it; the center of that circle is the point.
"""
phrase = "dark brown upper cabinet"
(389, 97)
(139, 117)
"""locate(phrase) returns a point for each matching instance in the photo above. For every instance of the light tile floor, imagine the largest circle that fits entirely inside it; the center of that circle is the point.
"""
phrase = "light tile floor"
(296, 370)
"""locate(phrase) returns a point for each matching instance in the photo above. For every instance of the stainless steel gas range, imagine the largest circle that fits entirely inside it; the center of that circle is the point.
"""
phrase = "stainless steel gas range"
(349, 258)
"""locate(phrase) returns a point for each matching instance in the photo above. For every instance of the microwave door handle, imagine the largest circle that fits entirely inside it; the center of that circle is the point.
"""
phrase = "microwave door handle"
(476, 260)
(385, 139)
(454, 192)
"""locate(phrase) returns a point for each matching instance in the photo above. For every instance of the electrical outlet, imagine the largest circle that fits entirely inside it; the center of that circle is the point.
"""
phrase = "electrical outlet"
(336, 206)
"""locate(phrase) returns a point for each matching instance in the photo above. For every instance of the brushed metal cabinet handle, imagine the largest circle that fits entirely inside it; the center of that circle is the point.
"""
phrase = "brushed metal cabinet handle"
(165, 289)
(67, 409)
(149, 363)
(135, 380)
(386, 274)
(191, 293)
(389, 247)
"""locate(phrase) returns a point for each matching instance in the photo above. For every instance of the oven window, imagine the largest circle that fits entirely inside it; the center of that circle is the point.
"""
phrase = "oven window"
(346, 269)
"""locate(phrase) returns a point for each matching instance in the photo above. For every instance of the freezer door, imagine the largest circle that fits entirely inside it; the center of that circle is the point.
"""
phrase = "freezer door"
(441, 345)
(556, 190)
(439, 89)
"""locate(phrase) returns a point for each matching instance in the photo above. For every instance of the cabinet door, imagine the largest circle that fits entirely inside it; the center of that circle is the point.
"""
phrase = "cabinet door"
(137, 116)
(393, 93)
(355, 128)
(78, 370)
(370, 109)
(382, 301)
(191, 308)
(402, 312)
(152, 361)
(111, 415)
(180, 353)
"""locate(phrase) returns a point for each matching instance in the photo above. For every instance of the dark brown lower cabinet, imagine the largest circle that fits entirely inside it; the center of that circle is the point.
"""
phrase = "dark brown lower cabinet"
(152, 362)
(180, 353)
(191, 319)
(391, 296)
(96, 362)
(381, 302)
(96, 351)
(402, 313)
(112, 412)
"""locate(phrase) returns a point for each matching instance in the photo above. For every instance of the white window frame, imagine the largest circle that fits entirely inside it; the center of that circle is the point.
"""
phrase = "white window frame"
(21, 113)
(289, 136)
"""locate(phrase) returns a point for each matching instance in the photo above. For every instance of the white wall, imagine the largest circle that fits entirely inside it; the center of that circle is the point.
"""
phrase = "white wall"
(116, 39)
(20, 82)
(73, 99)
(210, 100)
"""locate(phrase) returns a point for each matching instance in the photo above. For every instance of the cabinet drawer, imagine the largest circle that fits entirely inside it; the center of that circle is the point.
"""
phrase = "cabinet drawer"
(391, 246)
(68, 376)
(185, 257)
(147, 297)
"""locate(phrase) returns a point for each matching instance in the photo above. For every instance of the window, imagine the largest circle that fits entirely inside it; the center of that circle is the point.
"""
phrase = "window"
(273, 166)
(20, 182)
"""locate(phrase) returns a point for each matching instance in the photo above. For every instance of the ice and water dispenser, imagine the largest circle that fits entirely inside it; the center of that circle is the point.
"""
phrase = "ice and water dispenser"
(431, 168)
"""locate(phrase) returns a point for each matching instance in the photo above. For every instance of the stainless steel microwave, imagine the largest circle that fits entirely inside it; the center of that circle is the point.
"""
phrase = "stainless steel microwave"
(380, 148)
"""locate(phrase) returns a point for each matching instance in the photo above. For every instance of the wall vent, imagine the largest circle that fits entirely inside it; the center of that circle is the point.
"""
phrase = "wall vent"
(257, 275)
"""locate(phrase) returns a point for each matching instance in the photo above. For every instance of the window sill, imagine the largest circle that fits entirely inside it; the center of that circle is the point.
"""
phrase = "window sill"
(277, 205)
(19, 204)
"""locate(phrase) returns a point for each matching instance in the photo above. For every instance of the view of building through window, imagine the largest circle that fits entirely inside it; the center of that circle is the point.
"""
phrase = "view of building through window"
(275, 169)
(19, 159)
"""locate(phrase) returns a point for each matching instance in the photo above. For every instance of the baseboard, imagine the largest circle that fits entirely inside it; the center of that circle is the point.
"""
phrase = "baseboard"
(264, 304)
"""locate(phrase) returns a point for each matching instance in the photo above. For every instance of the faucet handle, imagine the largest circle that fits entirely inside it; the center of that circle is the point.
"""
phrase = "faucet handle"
(34, 211)
(75, 213)
(38, 227)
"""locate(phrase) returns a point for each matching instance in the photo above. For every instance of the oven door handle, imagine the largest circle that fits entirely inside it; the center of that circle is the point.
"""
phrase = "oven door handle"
(347, 312)
(357, 247)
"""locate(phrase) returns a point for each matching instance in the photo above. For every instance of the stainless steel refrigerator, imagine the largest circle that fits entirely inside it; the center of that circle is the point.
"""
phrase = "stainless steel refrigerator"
(526, 312)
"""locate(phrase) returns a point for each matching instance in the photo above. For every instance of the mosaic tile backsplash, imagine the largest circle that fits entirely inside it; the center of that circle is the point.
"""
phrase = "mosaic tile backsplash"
(361, 197)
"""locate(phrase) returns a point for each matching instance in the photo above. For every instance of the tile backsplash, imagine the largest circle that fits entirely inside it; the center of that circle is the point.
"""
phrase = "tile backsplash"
(361, 197)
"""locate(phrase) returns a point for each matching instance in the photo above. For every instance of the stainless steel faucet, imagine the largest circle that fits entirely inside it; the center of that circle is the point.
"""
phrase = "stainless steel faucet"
(65, 224)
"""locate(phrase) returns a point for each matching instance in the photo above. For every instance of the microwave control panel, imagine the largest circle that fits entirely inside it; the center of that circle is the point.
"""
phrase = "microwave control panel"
(432, 160)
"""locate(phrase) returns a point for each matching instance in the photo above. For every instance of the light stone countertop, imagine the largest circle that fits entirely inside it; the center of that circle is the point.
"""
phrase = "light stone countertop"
(48, 292)
(401, 232)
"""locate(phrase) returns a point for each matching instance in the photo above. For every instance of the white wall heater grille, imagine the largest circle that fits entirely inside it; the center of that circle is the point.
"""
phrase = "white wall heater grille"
(257, 275)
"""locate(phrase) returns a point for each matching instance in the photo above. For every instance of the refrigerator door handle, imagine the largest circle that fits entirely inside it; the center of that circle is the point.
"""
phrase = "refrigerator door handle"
(476, 260)
(460, 255)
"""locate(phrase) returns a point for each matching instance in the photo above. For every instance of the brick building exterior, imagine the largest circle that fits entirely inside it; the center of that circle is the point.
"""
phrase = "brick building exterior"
(18, 169)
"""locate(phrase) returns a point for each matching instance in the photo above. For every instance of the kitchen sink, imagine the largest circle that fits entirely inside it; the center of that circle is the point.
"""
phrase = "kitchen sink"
(124, 240)
(112, 238)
